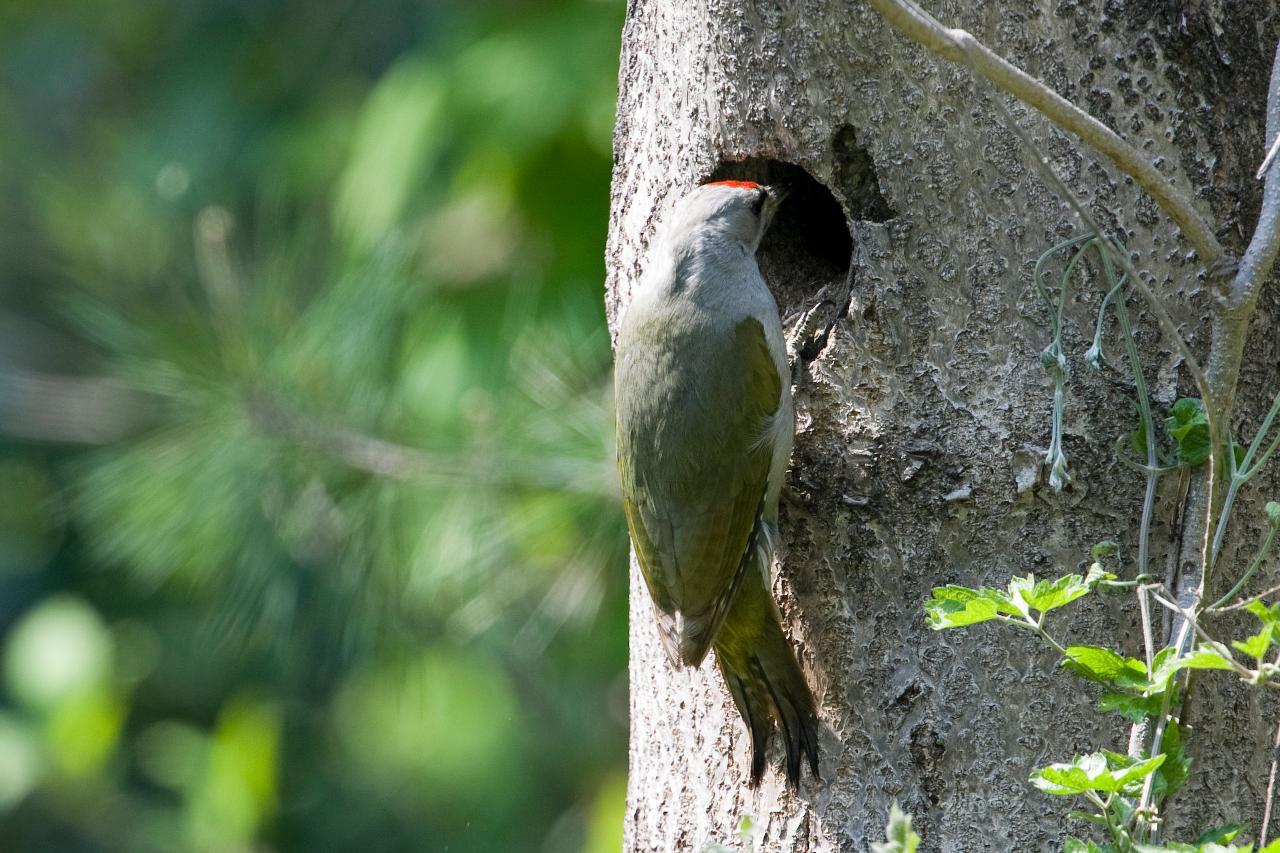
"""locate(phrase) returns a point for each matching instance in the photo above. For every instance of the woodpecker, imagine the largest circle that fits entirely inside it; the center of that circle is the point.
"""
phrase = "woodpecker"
(704, 430)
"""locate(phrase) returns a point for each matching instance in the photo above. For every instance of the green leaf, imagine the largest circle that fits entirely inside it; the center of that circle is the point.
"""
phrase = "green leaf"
(900, 837)
(1127, 778)
(1268, 615)
(1070, 779)
(1167, 664)
(1188, 426)
(1050, 595)
(1109, 774)
(1122, 807)
(1273, 519)
(1134, 708)
(1206, 657)
(1105, 666)
(396, 141)
(1173, 772)
(958, 606)
(1105, 548)
(1163, 666)
(1257, 645)
(1019, 589)
(1273, 847)
(1138, 440)
(1221, 835)
(1075, 845)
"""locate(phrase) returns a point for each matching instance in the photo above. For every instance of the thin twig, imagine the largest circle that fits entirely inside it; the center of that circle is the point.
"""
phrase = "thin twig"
(1157, 735)
(960, 46)
(1144, 609)
(1138, 731)
(1035, 628)
(1248, 465)
(1271, 788)
(1144, 806)
(1189, 619)
(1245, 602)
(1144, 410)
(1269, 159)
(1233, 488)
(1254, 564)
(1119, 254)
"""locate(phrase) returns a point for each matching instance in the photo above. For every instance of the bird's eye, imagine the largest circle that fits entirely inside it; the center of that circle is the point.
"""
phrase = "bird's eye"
(758, 204)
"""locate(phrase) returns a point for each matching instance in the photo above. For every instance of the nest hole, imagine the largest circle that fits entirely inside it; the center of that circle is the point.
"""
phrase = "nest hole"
(808, 246)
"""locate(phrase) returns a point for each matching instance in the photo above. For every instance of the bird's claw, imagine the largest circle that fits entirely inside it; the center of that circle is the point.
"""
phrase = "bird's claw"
(805, 342)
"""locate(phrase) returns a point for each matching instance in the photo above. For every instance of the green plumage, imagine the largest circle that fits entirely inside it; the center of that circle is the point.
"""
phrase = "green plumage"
(705, 424)
(694, 480)
(704, 433)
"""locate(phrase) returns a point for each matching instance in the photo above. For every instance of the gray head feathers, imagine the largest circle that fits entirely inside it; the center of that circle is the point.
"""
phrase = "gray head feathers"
(736, 211)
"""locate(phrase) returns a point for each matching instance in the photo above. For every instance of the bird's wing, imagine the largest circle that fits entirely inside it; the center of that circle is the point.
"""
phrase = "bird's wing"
(695, 459)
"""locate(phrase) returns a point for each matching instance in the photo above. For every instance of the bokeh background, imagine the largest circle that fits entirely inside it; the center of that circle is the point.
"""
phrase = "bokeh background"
(308, 528)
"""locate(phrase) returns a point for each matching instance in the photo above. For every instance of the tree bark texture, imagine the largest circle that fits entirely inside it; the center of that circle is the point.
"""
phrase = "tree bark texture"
(923, 423)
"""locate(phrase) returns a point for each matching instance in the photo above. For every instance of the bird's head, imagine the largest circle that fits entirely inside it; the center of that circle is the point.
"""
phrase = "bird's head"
(735, 210)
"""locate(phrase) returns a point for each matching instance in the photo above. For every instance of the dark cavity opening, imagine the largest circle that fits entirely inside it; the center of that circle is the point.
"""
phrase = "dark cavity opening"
(808, 246)
(857, 180)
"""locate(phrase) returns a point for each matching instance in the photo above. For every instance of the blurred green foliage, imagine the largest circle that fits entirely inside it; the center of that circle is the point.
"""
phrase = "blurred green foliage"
(308, 536)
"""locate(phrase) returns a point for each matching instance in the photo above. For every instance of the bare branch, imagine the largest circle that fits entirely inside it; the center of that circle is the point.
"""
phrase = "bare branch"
(960, 46)
(1260, 257)
(1226, 352)
(72, 409)
(98, 410)
(398, 462)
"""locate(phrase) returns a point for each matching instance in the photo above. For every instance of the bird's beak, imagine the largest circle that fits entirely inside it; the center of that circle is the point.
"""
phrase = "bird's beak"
(774, 194)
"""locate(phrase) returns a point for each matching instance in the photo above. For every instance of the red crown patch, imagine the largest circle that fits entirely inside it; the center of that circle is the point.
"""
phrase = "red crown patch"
(742, 185)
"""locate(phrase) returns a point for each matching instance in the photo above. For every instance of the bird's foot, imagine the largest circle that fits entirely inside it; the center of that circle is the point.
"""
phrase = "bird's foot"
(806, 342)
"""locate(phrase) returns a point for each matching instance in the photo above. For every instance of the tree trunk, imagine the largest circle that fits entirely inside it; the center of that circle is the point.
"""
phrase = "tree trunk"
(922, 425)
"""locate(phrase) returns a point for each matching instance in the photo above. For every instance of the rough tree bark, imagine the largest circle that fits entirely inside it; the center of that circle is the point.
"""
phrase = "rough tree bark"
(923, 423)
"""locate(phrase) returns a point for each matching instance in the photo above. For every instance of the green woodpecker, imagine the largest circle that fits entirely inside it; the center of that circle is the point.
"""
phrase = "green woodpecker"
(705, 424)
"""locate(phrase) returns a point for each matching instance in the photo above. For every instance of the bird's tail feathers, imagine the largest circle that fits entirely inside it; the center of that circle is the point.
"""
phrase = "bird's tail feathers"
(766, 682)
